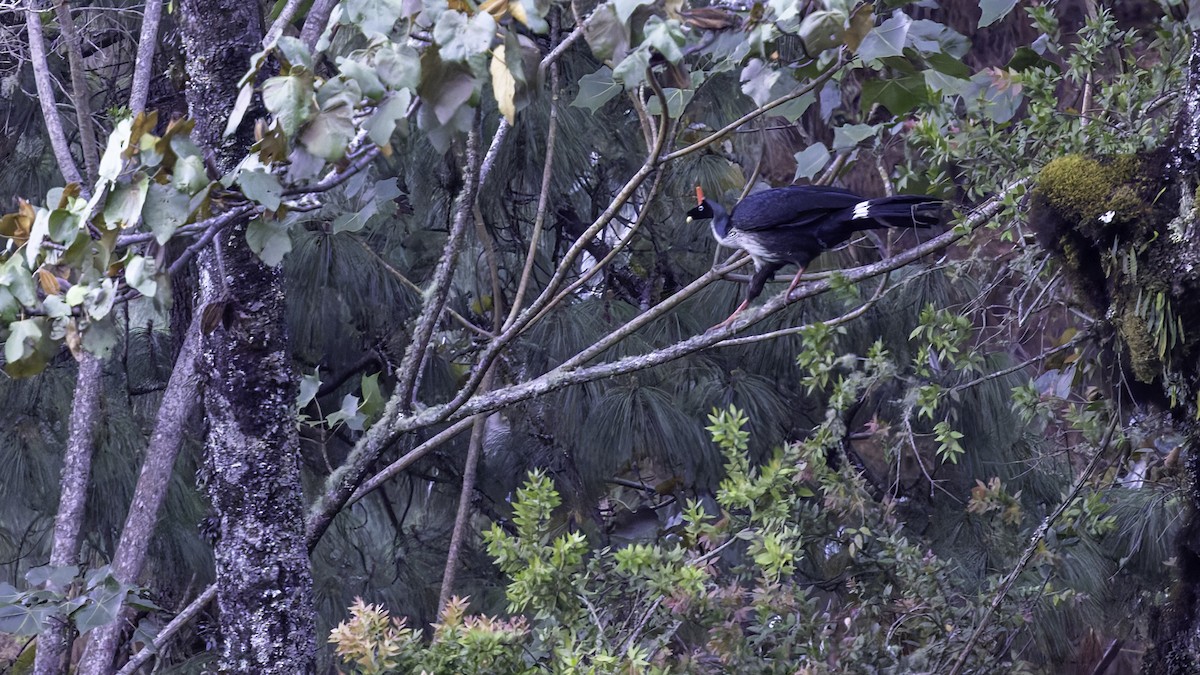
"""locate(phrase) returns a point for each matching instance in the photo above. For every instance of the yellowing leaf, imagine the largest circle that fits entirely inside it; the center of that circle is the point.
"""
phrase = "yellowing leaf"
(504, 85)
(16, 226)
(48, 282)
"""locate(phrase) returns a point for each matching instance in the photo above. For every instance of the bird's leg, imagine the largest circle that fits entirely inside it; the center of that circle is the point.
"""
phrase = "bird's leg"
(795, 280)
(741, 308)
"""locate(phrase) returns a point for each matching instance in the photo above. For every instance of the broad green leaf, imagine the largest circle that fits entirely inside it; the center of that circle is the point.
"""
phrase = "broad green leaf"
(374, 18)
(114, 153)
(596, 89)
(898, 95)
(811, 161)
(269, 239)
(165, 210)
(793, 109)
(18, 279)
(294, 52)
(348, 414)
(367, 79)
(930, 37)
(886, 39)
(785, 10)
(949, 65)
(23, 337)
(607, 35)
(677, 100)
(310, 384)
(354, 221)
(460, 38)
(99, 300)
(822, 29)
(262, 187)
(329, 135)
(848, 136)
(398, 66)
(245, 94)
(1025, 59)
(632, 71)
(190, 174)
(625, 8)
(992, 11)
(100, 337)
(124, 206)
(103, 605)
(666, 37)
(757, 80)
(383, 121)
(372, 397)
(445, 87)
(946, 85)
(55, 575)
(21, 620)
(289, 98)
(303, 166)
(62, 225)
(139, 274)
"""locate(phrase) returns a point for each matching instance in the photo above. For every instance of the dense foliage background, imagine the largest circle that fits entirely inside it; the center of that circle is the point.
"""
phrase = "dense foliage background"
(445, 241)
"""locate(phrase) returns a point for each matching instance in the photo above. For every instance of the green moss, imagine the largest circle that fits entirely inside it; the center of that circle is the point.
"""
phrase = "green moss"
(1083, 189)
(1143, 350)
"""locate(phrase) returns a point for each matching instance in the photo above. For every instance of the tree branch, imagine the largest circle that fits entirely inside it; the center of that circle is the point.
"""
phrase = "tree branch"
(81, 94)
(45, 90)
(144, 62)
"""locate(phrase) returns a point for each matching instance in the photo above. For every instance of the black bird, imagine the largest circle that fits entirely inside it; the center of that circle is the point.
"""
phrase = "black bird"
(793, 225)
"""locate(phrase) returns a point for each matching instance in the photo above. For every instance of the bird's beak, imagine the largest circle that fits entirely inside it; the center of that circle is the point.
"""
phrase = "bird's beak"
(688, 219)
(699, 195)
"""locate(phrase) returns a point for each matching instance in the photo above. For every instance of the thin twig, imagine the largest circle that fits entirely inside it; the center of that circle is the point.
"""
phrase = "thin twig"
(1034, 541)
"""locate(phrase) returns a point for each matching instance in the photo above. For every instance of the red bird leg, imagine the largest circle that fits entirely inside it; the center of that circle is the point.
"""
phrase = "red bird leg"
(741, 308)
(795, 280)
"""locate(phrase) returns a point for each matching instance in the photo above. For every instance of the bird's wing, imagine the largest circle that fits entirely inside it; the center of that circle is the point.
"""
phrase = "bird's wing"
(795, 206)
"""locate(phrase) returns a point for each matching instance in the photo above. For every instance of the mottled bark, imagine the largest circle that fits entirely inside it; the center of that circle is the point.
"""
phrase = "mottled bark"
(81, 94)
(55, 638)
(45, 91)
(264, 589)
(143, 65)
(179, 403)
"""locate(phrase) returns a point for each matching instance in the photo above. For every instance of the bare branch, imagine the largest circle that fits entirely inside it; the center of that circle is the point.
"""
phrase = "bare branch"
(81, 95)
(315, 22)
(45, 90)
(281, 22)
(144, 62)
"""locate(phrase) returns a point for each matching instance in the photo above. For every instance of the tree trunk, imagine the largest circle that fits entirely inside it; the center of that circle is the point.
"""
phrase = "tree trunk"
(264, 583)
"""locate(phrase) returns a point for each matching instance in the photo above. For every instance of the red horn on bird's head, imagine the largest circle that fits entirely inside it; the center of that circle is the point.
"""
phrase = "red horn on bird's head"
(699, 195)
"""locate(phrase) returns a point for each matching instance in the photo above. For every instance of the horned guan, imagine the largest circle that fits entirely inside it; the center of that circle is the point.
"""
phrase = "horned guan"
(795, 224)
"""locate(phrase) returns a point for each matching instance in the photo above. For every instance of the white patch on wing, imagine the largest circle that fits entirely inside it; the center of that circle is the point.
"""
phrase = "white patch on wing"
(862, 210)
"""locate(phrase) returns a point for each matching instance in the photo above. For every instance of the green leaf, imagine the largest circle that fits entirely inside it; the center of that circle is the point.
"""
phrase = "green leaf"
(294, 52)
(886, 39)
(848, 136)
(310, 384)
(374, 18)
(353, 221)
(757, 80)
(398, 66)
(329, 135)
(23, 337)
(124, 206)
(55, 575)
(113, 160)
(899, 95)
(99, 300)
(165, 210)
(1026, 59)
(948, 65)
(992, 11)
(290, 99)
(677, 100)
(664, 36)
(372, 397)
(367, 79)
(269, 239)
(262, 187)
(245, 94)
(460, 38)
(21, 620)
(810, 161)
(104, 603)
(190, 174)
(445, 87)
(383, 121)
(140, 274)
(822, 29)
(63, 225)
(625, 8)
(946, 84)
(793, 109)
(607, 34)
(596, 89)
(632, 70)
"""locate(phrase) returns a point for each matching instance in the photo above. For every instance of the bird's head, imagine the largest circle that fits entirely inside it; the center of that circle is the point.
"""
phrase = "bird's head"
(703, 210)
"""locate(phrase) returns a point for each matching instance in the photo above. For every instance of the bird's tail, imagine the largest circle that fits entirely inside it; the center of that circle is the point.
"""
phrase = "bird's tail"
(899, 211)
